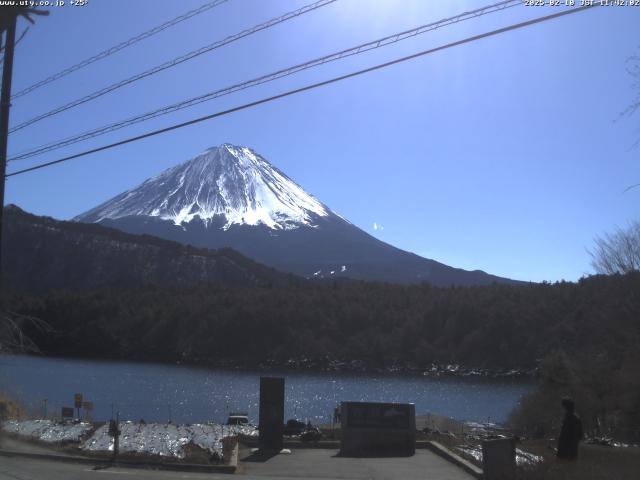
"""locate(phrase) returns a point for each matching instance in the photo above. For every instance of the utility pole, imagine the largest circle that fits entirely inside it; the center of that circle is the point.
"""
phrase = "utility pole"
(5, 105)
(8, 19)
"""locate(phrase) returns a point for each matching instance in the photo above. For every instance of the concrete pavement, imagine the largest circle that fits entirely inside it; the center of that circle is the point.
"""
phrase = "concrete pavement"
(275, 469)
(326, 464)
(309, 463)
(28, 469)
(15, 445)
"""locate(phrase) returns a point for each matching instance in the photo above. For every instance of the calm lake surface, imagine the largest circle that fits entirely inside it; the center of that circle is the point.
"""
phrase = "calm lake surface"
(185, 394)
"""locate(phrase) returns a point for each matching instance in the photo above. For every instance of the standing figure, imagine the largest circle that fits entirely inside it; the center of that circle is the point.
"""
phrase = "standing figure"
(571, 432)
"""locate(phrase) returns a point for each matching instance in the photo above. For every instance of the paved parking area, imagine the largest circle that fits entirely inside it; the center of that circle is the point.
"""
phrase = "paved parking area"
(326, 464)
(303, 463)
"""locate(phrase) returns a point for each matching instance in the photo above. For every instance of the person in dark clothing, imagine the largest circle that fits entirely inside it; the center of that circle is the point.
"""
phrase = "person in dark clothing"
(570, 433)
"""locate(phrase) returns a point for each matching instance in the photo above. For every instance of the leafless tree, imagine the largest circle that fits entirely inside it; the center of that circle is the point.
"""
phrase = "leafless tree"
(12, 336)
(633, 68)
(618, 252)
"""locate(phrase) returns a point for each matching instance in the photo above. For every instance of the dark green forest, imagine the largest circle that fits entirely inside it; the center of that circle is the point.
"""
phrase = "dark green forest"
(582, 337)
(496, 327)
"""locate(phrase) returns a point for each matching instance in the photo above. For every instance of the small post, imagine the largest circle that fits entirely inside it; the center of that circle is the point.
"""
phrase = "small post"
(499, 459)
(77, 400)
(114, 431)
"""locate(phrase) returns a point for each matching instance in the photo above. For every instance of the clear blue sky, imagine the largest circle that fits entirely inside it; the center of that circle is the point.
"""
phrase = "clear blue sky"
(507, 155)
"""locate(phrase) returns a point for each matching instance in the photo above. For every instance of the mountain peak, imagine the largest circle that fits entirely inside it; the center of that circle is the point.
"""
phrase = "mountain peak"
(229, 183)
(230, 196)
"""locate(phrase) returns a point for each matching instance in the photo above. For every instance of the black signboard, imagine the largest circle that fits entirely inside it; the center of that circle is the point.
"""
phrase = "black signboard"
(67, 412)
(377, 428)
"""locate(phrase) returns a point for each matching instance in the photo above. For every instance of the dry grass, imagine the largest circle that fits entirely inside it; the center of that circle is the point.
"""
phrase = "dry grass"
(594, 462)
(10, 409)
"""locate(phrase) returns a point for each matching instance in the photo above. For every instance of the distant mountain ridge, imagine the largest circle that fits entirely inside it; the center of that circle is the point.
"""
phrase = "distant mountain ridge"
(41, 253)
(230, 196)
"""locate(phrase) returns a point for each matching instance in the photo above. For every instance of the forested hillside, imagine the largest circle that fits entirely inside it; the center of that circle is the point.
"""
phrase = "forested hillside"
(582, 337)
(496, 326)
(41, 253)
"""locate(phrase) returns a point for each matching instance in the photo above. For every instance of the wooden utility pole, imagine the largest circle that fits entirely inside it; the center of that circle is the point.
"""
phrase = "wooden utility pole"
(5, 105)
(8, 19)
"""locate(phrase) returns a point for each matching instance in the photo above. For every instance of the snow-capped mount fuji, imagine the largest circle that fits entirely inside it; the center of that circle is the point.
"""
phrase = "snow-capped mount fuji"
(229, 196)
(226, 183)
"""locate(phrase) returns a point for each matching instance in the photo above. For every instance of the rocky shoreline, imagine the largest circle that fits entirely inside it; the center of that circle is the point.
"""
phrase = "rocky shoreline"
(360, 366)
(332, 365)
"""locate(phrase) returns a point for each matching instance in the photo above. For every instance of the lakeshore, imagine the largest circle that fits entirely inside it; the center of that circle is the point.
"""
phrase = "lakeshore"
(174, 447)
(186, 394)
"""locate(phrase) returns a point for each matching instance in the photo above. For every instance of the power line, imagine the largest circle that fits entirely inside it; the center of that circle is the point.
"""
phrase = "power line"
(381, 42)
(22, 35)
(120, 46)
(175, 61)
(306, 88)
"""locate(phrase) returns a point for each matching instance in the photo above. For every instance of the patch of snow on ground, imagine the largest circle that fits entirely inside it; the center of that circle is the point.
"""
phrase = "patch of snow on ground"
(526, 458)
(163, 439)
(522, 457)
(48, 430)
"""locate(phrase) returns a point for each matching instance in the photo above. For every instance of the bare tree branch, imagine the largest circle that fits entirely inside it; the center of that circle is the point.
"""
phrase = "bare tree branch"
(12, 336)
(633, 69)
(618, 252)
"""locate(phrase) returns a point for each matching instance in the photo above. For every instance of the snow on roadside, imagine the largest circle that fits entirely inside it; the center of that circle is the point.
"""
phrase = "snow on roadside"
(164, 439)
(522, 457)
(48, 430)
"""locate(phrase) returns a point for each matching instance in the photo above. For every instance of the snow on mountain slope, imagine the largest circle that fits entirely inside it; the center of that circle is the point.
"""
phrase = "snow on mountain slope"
(226, 181)
(230, 196)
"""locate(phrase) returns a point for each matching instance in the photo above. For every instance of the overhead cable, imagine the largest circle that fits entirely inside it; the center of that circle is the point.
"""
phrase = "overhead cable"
(304, 89)
(381, 42)
(174, 62)
(116, 48)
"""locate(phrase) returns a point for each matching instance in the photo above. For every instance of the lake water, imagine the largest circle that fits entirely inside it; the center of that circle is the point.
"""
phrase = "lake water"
(185, 394)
